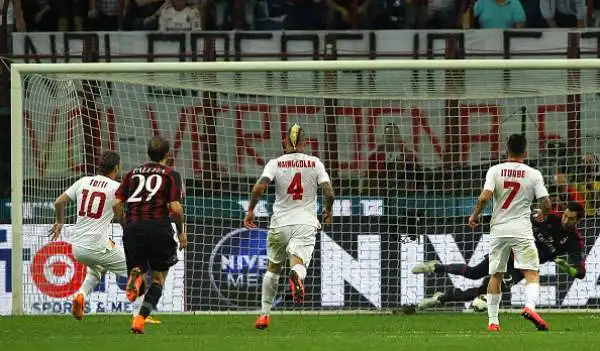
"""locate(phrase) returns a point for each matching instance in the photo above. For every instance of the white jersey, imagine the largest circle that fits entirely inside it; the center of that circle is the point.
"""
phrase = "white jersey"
(94, 197)
(515, 185)
(297, 177)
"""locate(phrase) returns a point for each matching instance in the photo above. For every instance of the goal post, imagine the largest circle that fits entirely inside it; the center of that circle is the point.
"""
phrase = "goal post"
(406, 142)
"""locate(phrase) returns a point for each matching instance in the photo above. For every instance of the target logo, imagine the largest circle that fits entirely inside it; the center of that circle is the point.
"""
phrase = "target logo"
(55, 271)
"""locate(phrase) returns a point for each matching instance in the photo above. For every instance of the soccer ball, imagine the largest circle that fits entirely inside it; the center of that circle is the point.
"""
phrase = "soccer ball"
(479, 304)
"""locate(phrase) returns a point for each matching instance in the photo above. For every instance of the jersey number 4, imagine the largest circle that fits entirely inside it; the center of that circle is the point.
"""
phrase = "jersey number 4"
(87, 203)
(295, 188)
(514, 189)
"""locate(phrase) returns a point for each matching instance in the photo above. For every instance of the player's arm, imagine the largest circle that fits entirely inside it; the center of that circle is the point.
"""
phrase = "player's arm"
(574, 265)
(121, 196)
(176, 208)
(257, 190)
(59, 208)
(541, 193)
(329, 198)
(328, 193)
(483, 199)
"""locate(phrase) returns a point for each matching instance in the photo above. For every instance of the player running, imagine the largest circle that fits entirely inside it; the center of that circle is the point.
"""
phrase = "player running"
(90, 240)
(294, 223)
(150, 191)
(554, 237)
(513, 185)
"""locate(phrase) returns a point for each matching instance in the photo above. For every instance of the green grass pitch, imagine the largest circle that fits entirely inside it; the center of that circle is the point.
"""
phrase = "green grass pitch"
(444, 331)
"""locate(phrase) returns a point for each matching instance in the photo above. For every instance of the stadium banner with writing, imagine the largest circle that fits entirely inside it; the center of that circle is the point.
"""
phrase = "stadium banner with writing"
(198, 208)
(51, 276)
(360, 121)
(365, 266)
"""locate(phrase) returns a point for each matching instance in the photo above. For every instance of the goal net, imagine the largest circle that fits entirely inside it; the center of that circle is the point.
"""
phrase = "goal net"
(407, 145)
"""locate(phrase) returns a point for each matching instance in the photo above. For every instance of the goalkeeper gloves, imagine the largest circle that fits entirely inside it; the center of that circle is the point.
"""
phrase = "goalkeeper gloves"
(565, 267)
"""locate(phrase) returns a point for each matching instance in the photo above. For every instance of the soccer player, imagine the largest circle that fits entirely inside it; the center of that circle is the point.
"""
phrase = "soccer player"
(513, 185)
(151, 191)
(556, 236)
(294, 223)
(90, 240)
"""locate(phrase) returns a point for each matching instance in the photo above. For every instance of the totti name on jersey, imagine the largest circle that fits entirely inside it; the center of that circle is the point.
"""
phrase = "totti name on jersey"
(296, 164)
(512, 173)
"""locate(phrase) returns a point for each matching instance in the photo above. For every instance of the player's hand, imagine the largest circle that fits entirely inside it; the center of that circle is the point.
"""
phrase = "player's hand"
(249, 220)
(55, 231)
(112, 243)
(182, 237)
(560, 261)
(473, 221)
(537, 215)
(327, 217)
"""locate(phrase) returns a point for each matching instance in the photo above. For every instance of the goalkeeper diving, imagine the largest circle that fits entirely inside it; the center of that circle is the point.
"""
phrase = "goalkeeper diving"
(556, 238)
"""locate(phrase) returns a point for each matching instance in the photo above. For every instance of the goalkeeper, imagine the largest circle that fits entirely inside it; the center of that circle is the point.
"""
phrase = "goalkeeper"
(555, 237)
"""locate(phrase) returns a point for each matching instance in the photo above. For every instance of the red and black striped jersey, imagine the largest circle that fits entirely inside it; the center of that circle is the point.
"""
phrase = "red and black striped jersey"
(147, 190)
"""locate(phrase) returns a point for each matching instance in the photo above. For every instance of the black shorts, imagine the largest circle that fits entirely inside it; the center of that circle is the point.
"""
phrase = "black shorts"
(150, 244)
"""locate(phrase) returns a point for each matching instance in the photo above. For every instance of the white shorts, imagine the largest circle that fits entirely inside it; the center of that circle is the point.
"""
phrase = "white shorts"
(524, 250)
(298, 240)
(98, 262)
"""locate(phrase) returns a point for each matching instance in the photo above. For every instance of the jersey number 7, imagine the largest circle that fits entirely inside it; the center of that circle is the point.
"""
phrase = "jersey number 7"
(514, 189)
(295, 188)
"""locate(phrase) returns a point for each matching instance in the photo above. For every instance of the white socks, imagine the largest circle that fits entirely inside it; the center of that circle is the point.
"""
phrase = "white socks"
(301, 270)
(89, 283)
(493, 303)
(532, 293)
(269, 291)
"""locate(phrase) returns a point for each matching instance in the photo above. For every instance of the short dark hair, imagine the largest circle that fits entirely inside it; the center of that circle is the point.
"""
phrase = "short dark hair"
(158, 148)
(517, 144)
(577, 208)
(108, 162)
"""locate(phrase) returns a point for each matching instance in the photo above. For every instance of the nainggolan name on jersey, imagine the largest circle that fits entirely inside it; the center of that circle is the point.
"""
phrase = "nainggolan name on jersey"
(296, 164)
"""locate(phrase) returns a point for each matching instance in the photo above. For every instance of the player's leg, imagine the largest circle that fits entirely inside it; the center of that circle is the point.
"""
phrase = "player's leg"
(498, 260)
(114, 261)
(92, 278)
(154, 292)
(277, 240)
(136, 259)
(527, 260)
(161, 249)
(300, 248)
(94, 273)
(471, 272)
(452, 295)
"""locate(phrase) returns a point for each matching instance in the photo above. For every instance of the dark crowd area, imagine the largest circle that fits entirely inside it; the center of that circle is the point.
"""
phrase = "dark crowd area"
(195, 15)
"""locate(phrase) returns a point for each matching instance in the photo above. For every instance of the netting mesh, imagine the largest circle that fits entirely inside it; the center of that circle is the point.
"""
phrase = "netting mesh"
(367, 85)
(407, 151)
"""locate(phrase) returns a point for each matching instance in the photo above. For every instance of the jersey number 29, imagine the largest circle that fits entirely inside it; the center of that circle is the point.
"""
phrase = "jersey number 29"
(151, 184)
(295, 188)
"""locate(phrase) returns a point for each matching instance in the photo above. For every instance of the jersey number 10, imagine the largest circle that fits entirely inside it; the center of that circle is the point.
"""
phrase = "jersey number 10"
(87, 201)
